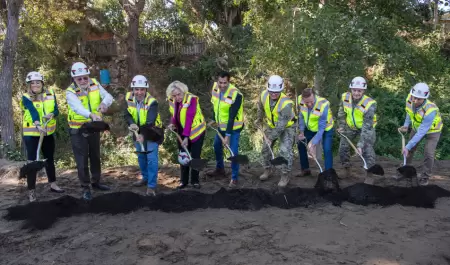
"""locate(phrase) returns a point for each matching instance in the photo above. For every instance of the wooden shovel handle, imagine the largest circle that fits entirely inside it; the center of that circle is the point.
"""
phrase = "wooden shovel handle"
(223, 140)
(403, 146)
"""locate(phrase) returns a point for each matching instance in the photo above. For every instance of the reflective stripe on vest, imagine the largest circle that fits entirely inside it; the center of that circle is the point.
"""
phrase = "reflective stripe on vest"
(272, 115)
(198, 123)
(141, 118)
(417, 116)
(312, 117)
(355, 116)
(43, 107)
(90, 100)
(222, 107)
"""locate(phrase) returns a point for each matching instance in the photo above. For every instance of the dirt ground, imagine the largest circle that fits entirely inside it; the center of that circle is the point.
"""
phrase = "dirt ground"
(321, 234)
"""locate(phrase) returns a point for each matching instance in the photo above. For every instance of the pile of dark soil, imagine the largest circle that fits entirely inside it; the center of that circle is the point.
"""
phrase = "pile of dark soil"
(41, 215)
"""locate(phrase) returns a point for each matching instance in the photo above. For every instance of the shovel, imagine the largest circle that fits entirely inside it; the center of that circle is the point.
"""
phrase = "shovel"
(406, 171)
(313, 156)
(375, 169)
(274, 161)
(36, 165)
(94, 126)
(195, 163)
(141, 144)
(240, 159)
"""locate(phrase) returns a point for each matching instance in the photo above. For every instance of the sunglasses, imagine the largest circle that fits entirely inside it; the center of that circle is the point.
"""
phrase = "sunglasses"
(79, 79)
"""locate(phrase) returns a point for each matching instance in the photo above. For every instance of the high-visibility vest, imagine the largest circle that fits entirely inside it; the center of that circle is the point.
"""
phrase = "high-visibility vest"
(355, 116)
(91, 100)
(425, 110)
(272, 115)
(312, 117)
(198, 123)
(43, 106)
(141, 117)
(222, 107)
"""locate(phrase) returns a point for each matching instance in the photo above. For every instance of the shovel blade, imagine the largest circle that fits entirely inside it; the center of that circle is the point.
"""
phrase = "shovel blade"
(407, 171)
(94, 126)
(240, 159)
(376, 170)
(31, 168)
(279, 161)
(198, 164)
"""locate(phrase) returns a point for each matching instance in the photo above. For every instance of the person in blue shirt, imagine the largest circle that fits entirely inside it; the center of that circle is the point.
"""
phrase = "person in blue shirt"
(426, 121)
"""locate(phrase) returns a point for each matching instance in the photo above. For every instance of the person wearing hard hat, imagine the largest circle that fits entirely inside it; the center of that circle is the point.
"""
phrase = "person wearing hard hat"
(86, 100)
(188, 122)
(426, 122)
(315, 125)
(357, 117)
(278, 110)
(142, 110)
(228, 114)
(39, 107)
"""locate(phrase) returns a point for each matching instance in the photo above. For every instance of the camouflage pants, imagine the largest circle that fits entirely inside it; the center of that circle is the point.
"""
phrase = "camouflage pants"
(432, 140)
(367, 151)
(286, 149)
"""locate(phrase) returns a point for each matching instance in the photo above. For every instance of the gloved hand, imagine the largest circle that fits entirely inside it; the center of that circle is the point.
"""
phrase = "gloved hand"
(403, 129)
(49, 116)
(133, 127)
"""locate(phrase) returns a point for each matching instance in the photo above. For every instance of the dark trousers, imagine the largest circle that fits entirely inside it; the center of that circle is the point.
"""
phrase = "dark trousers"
(86, 148)
(195, 149)
(48, 150)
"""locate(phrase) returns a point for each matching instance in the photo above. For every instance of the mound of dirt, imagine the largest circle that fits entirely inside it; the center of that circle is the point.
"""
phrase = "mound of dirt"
(41, 215)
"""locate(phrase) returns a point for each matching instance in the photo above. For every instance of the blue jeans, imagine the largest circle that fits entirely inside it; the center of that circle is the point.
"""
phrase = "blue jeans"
(327, 142)
(148, 163)
(234, 145)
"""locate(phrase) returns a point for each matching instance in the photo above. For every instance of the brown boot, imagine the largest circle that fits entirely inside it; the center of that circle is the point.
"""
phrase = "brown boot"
(218, 172)
(304, 173)
(266, 174)
(284, 180)
(369, 178)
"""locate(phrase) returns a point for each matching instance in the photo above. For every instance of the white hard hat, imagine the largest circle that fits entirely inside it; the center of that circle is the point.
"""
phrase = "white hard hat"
(139, 81)
(275, 84)
(34, 76)
(358, 82)
(183, 158)
(420, 90)
(79, 69)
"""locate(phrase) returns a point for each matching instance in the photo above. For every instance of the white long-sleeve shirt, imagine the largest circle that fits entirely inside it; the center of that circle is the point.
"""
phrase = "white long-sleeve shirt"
(76, 105)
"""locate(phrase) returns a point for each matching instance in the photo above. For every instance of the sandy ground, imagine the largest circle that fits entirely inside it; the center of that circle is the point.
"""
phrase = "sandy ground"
(321, 234)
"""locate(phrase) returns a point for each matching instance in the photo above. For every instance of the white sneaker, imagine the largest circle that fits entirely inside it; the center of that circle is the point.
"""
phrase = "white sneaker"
(32, 195)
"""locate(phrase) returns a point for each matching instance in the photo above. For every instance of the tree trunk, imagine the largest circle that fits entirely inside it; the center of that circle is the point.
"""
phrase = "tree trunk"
(7, 72)
(133, 12)
(436, 13)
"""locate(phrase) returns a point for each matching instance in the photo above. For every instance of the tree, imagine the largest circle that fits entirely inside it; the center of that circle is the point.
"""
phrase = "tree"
(7, 72)
(133, 9)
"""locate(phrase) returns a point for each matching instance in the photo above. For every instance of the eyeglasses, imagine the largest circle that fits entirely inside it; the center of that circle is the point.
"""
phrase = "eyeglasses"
(79, 79)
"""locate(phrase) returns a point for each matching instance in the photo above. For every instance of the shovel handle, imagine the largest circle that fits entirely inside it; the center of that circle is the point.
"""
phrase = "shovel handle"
(223, 140)
(41, 139)
(354, 148)
(181, 143)
(313, 156)
(136, 135)
(403, 146)
(267, 143)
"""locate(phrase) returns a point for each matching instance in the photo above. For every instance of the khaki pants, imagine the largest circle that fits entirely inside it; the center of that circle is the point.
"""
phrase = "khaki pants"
(430, 148)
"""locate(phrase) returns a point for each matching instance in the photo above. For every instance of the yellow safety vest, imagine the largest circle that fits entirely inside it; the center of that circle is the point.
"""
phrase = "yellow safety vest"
(90, 99)
(43, 107)
(198, 124)
(312, 118)
(141, 117)
(418, 116)
(272, 115)
(355, 116)
(222, 107)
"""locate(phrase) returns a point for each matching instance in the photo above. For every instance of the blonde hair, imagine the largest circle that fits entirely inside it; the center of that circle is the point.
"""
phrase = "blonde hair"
(176, 85)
